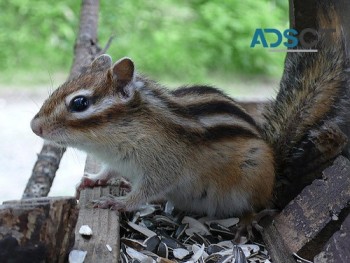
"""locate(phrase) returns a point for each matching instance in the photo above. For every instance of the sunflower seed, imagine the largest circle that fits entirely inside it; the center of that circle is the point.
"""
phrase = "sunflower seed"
(145, 231)
(238, 254)
(170, 241)
(152, 243)
(165, 221)
(139, 256)
(164, 260)
(146, 210)
(229, 222)
(213, 258)
(198, 252)
(194, 226)
(180, 231)
(172, 236)
(249, 249)
(213, 248)
(227, 259)
(123, 258)
(169, 208)
(226, 244)
(109, 248)
(218, 229)
(180, 253)
(85, 230)
(200, 239)
(132, 243)
(77, 256)
(163, 250)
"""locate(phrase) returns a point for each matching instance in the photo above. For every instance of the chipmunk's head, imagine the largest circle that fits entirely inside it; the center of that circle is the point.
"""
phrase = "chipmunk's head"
(82, 111)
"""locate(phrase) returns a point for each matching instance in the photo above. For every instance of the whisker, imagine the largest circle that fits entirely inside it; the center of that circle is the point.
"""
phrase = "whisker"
(51, 83)
(36, 103)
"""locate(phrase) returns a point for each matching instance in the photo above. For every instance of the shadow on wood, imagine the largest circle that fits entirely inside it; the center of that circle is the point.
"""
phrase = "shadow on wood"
(37, 230)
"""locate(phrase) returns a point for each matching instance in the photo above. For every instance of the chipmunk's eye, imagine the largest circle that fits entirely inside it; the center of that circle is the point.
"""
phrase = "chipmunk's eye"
(78, 104)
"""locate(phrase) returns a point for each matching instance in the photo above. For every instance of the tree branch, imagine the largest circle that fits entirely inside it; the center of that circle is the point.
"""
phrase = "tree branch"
(85, 50)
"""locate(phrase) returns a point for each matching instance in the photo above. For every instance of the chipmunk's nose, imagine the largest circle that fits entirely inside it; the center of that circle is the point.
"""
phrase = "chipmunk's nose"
(36, 126)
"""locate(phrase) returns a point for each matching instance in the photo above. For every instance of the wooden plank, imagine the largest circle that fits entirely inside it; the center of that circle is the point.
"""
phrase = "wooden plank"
(304, 218)
(278, 250)
(103, 222)
(338, 247)
(37, 230)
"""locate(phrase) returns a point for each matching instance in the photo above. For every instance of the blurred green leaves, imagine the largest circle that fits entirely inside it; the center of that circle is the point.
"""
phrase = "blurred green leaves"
(36, 34)
(178, 39)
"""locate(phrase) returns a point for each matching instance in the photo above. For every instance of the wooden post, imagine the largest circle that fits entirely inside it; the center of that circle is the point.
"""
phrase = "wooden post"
(42, 229)
(85, 50)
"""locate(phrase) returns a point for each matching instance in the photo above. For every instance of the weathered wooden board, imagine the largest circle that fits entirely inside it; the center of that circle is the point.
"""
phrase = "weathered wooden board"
(278, 250)
(337, 248)
(103, 222)
(315, 207)
(37, 230)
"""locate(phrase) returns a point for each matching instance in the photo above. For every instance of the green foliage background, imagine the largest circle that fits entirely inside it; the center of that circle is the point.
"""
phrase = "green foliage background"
(177, 39)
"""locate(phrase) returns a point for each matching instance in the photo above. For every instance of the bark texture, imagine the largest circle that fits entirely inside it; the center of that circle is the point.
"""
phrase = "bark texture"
(85, 50)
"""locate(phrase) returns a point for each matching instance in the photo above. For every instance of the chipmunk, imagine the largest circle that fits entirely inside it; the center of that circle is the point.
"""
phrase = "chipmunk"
(194, 146)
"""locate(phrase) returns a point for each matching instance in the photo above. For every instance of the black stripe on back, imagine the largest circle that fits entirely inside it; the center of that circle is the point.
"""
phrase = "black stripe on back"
(183, 91)
(227, 131)
(220, 107)
(171, 105)
(215, 133)
(206, 108)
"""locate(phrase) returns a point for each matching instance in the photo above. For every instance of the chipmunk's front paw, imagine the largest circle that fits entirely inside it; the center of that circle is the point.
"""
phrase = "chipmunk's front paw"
(124, 185)
(92, 180)
(250, 221)
(88, 182)
(111, 202)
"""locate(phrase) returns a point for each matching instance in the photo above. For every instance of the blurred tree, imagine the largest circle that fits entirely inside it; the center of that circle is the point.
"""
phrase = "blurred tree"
(37, 34)
(173, 38)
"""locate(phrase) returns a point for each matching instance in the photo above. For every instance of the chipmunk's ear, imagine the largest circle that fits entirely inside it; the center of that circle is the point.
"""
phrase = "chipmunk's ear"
(123, 73)
(102, 62)
(123, 70)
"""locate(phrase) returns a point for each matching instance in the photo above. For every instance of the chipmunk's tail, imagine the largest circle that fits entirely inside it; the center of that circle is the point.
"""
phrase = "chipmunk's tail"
(302, 124)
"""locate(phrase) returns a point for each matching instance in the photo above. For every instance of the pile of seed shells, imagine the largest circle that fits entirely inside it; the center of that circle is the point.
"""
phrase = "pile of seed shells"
(158, 233)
